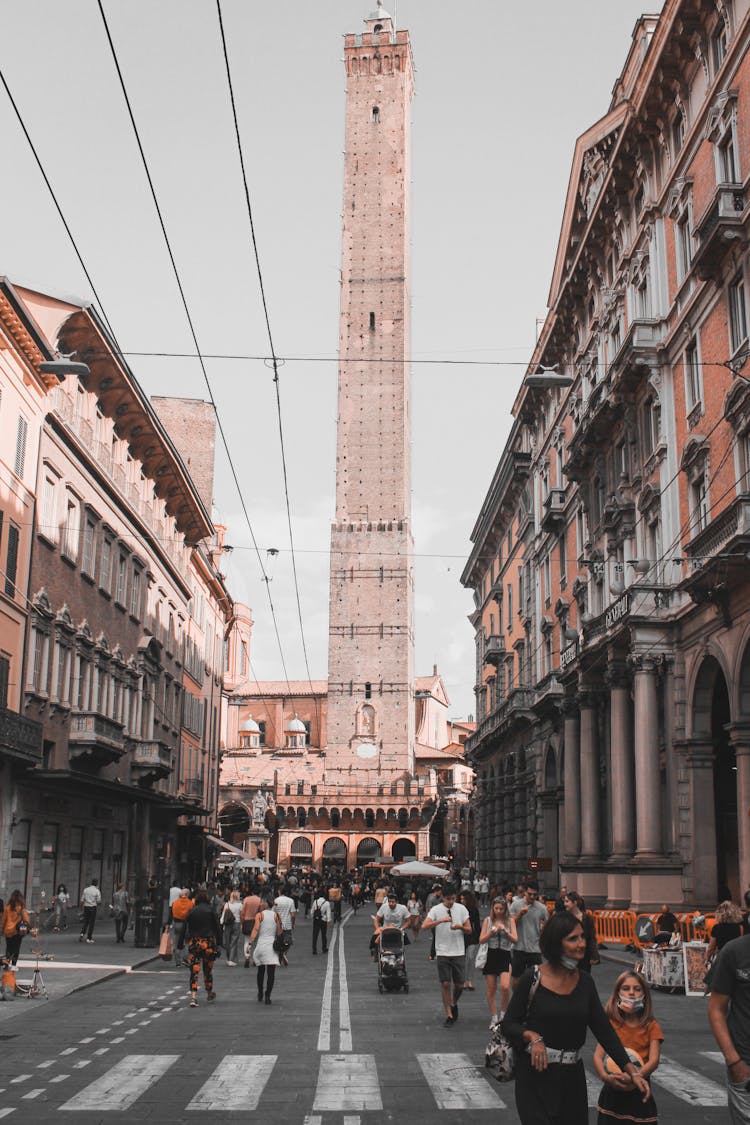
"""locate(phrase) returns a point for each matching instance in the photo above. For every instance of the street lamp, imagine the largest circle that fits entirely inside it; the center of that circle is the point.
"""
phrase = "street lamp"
(546, 378)
(61, 368)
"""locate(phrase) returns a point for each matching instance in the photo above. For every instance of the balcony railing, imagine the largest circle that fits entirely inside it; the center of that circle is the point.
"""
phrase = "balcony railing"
(719, 228)
(152, 755)
(96, 737)
(20, 738)
(494, 650)
(554, 509)
(192, 787)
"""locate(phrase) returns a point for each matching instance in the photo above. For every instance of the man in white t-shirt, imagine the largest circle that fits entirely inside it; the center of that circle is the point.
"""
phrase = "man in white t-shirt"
(450, 921)
(390, 915)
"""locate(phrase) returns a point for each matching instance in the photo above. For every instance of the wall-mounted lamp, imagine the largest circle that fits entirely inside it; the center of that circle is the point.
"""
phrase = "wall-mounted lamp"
(62, 368)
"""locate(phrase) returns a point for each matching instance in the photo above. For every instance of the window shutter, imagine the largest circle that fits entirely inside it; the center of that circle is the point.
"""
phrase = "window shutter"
(23, 427)
(11, 566)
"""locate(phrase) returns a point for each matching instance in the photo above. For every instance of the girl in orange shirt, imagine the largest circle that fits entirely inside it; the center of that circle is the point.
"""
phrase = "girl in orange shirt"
(631, 1014)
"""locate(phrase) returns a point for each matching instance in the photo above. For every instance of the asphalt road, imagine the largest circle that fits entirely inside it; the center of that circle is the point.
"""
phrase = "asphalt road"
(329, 1050)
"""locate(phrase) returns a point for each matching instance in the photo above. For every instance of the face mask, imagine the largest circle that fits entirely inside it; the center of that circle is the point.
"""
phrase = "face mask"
(568, 962)
(630, 1003)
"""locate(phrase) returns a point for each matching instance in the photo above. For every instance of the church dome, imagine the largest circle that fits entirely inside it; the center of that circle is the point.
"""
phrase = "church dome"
(249, 727)
(296, 726)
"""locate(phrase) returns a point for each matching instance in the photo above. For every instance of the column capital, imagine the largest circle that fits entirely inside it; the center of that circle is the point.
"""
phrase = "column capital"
(650, 663)
(697, 752)
(569, 706)
(588, 699)
(617, 674)
(739, 736)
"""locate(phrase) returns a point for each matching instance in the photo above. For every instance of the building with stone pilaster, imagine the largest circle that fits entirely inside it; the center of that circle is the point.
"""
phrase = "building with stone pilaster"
(347, 765)
(609, 563)
(121, 547)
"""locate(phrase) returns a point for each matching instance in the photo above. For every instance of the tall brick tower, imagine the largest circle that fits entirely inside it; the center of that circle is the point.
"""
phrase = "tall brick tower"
(371, 641)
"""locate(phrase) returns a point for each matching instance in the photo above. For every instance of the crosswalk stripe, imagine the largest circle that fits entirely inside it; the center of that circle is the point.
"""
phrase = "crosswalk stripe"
(237, 1083)
(456, 1083)
(688, 1085)
(313, 1119)
(6, 1112)
(123, 1084)
(714, 1056)
(347, 1082)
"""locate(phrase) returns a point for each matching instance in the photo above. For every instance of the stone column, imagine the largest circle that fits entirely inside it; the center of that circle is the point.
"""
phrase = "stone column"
(572, 780)
(699, 759)
(590, 804)
(647, 772)
(621, 764)
(739, 735)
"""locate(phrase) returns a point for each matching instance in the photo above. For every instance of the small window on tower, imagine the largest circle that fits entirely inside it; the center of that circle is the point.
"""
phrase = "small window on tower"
(368, 690)
(372, 321)
(376, 115)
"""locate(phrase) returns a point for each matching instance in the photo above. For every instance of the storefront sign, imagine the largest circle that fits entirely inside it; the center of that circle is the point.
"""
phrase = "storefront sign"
(618, 611)
(569, 655)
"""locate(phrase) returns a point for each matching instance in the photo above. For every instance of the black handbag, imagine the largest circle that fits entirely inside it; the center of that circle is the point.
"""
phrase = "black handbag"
(22, 928)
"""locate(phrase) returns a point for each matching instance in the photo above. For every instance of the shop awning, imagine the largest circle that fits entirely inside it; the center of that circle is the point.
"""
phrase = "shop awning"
(225, 847)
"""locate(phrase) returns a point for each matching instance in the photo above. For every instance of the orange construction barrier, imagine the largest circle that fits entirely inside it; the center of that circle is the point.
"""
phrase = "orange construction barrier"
(615, 926)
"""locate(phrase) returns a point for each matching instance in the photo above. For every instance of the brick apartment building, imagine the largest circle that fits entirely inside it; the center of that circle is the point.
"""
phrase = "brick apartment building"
(609, 562)
(126, 615)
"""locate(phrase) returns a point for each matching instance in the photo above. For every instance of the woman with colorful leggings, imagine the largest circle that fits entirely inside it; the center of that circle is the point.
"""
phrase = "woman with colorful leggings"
(204, 938)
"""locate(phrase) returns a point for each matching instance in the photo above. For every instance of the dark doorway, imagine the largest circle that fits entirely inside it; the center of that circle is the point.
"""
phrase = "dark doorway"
(725, 796)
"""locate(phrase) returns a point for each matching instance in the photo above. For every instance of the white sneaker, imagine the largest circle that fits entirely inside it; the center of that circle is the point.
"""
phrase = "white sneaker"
(494, 1021)
(232, 963)
(90, 941)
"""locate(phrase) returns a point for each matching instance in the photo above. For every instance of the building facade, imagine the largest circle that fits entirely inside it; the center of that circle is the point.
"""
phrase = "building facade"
(122, 544)
(609, 561)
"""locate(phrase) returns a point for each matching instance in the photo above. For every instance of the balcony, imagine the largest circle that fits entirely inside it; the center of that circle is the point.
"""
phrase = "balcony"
(553, 516)
(192, 787)
(151, 760)
(20, 739)
(95, 739)
(717, 556)
(494, 650)
(637, 354)
(720, 226)
(593, 432)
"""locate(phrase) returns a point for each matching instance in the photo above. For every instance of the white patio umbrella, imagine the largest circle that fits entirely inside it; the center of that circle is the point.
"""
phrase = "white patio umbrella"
(415, 867)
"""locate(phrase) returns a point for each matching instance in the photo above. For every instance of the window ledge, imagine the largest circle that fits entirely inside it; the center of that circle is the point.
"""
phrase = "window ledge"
(695, 415)
(66, 558)
(88, 578)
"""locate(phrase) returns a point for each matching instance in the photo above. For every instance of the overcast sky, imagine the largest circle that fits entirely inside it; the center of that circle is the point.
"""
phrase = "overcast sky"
(503, 90)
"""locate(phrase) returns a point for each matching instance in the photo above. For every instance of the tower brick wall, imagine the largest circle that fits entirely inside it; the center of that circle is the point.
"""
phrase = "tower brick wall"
(191, 424)
(371, 643)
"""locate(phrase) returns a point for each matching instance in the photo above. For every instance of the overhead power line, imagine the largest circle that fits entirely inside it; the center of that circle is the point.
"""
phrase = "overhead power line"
(274, 361)
(191, 326)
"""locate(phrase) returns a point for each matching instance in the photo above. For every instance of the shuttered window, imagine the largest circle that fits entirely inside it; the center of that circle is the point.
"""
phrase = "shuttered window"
(11, 565)
(21, 433)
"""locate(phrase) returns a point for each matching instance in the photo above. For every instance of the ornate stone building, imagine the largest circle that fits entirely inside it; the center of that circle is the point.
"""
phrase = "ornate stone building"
(609, 563)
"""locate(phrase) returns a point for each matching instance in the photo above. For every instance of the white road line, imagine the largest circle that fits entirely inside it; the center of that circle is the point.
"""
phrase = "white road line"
(123, 1084)
(117, 1023)
(49, 1062)
(81, 1064)
(310, 1119)
(119, 1039)
(59, 1078)
(345, 1019)
(324, 1034)
(456, 1083)
(352, 1120)
(101, 1051)
(89, 1040)
(237, 1083)
(33, 1094)
(347, 1082)
(714, 1056)
(101, 1031)
(593, 1089)
(7, 1112)
(133, 1031)
(687, 1085)
(69, 1051)
(19, 1078)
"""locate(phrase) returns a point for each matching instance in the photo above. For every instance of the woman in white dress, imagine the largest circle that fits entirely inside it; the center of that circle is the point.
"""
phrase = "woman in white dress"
(267, 927)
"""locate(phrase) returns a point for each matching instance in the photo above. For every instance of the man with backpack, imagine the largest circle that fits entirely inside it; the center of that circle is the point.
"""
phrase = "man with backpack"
(321, 912)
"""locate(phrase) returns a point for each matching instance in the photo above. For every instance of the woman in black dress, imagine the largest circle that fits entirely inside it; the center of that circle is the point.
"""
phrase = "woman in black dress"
(550, 1079)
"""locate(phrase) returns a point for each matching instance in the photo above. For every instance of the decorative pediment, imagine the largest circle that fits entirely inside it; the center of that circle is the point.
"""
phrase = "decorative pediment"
(102, 643)
(720, 115)
(737, 404)
(562, 607)
(42, 604)
(694, 454)
(678, 198)
(649, 498)
(64, 619)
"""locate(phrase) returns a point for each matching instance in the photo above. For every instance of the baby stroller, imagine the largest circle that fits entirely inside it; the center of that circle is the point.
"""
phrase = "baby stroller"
(391, 962)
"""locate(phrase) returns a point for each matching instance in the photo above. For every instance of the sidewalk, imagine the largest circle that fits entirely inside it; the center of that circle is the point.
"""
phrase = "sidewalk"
(68, 965)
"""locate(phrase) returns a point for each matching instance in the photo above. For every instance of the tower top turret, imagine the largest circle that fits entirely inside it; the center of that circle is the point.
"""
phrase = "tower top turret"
(379, 20)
